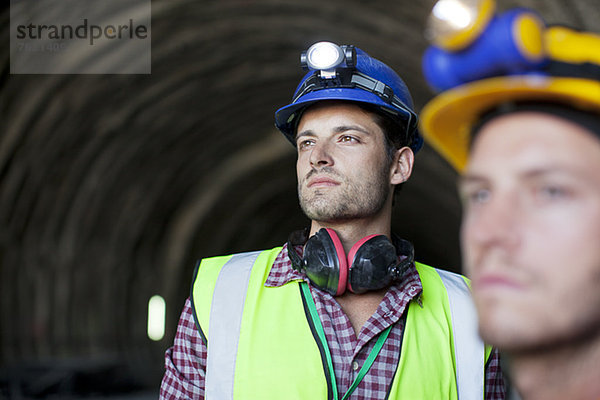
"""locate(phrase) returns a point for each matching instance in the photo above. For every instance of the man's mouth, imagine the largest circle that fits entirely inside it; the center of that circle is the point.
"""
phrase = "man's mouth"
(322, 181)
(488, 281)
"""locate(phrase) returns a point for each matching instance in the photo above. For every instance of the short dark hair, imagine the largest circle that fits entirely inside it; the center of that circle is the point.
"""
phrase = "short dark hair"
(395, 138)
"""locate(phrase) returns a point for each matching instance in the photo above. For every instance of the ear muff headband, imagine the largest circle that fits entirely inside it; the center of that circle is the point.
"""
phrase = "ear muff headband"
(352, 255)
(341, 260)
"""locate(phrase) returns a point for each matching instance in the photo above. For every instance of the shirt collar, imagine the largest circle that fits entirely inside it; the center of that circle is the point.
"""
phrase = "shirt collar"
(282, 271)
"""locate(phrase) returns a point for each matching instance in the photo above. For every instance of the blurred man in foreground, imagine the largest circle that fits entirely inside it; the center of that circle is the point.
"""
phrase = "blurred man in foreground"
(522, 127)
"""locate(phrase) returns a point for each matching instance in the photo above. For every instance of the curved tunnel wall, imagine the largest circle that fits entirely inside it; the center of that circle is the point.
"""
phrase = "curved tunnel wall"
(111, 186)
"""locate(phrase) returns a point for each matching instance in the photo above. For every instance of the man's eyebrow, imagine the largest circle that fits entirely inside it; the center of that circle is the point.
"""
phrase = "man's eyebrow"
(466, 179)
(528, 174)
(548, 170)
(337, 129)
(307, 132)
(345, 128)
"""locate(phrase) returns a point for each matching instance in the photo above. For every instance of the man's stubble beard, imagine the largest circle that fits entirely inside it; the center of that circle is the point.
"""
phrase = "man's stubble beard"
(349, 200)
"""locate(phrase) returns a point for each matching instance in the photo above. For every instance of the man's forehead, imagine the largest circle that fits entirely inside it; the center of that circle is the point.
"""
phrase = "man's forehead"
(333, 106)
(544, 110)
(532, 140)
(537, 127)
(340, 110)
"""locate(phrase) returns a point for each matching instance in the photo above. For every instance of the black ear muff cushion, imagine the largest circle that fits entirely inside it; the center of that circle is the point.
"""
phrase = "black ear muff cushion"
(323, 266)
(371, 264)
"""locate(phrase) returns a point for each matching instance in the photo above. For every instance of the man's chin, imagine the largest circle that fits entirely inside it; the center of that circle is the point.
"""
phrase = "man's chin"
(508, 332)
(320, 209)
(324, 217)
(515, 342)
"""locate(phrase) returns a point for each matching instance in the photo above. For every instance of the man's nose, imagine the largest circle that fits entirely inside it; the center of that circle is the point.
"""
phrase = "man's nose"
(321, 155)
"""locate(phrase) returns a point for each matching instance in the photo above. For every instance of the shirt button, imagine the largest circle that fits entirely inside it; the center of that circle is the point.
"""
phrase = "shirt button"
(354, 365)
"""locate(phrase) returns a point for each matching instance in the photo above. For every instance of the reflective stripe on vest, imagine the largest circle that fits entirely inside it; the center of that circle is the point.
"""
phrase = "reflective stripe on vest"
(229, 297)
(468, 347)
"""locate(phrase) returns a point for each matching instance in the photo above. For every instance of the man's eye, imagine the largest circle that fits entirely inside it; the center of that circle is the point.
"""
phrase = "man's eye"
(303, 144)
(550, 192)
(479, 196)
(348, 139)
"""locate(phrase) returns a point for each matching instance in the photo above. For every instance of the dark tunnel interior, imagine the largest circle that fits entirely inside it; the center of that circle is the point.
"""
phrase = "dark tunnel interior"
(112, 186)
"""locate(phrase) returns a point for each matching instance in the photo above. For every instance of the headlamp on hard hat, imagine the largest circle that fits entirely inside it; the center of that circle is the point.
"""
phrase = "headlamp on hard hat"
(454, 24)
(326, 57)
(335, 67)
(471, 43)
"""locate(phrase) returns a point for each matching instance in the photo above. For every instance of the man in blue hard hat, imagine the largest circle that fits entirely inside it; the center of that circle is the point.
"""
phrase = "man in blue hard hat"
(524, 134)
(342, 310)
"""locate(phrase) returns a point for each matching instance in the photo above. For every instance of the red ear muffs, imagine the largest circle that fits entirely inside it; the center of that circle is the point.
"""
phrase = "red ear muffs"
(372, 263)
(324, 262)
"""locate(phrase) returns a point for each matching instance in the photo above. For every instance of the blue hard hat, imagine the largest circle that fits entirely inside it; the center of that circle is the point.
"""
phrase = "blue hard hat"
(359, 78)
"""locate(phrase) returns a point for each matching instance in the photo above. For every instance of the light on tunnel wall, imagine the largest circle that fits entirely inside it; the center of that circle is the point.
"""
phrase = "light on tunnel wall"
(156, 317)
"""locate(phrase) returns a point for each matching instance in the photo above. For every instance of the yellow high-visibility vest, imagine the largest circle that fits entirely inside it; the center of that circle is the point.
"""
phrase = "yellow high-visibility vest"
(262, 343)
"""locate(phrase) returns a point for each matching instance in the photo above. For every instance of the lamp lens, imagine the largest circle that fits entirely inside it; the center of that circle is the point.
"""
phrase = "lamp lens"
(455, 13)
(454, 24)
(324, 55)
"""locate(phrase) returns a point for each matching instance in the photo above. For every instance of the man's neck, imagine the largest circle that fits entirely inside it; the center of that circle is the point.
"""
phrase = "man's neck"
(570, 372)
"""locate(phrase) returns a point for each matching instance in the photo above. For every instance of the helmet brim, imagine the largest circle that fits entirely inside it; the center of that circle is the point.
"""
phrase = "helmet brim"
(286, 118)
(446, 121)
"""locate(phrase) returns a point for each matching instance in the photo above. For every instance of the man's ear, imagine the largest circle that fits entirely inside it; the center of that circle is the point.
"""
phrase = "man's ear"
(402, 165)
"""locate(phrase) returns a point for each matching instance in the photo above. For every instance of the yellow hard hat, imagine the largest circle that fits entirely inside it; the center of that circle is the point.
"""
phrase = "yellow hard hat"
(571, 76)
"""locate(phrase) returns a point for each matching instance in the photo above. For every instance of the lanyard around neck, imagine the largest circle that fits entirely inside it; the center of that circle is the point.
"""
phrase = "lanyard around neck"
(321, 334)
